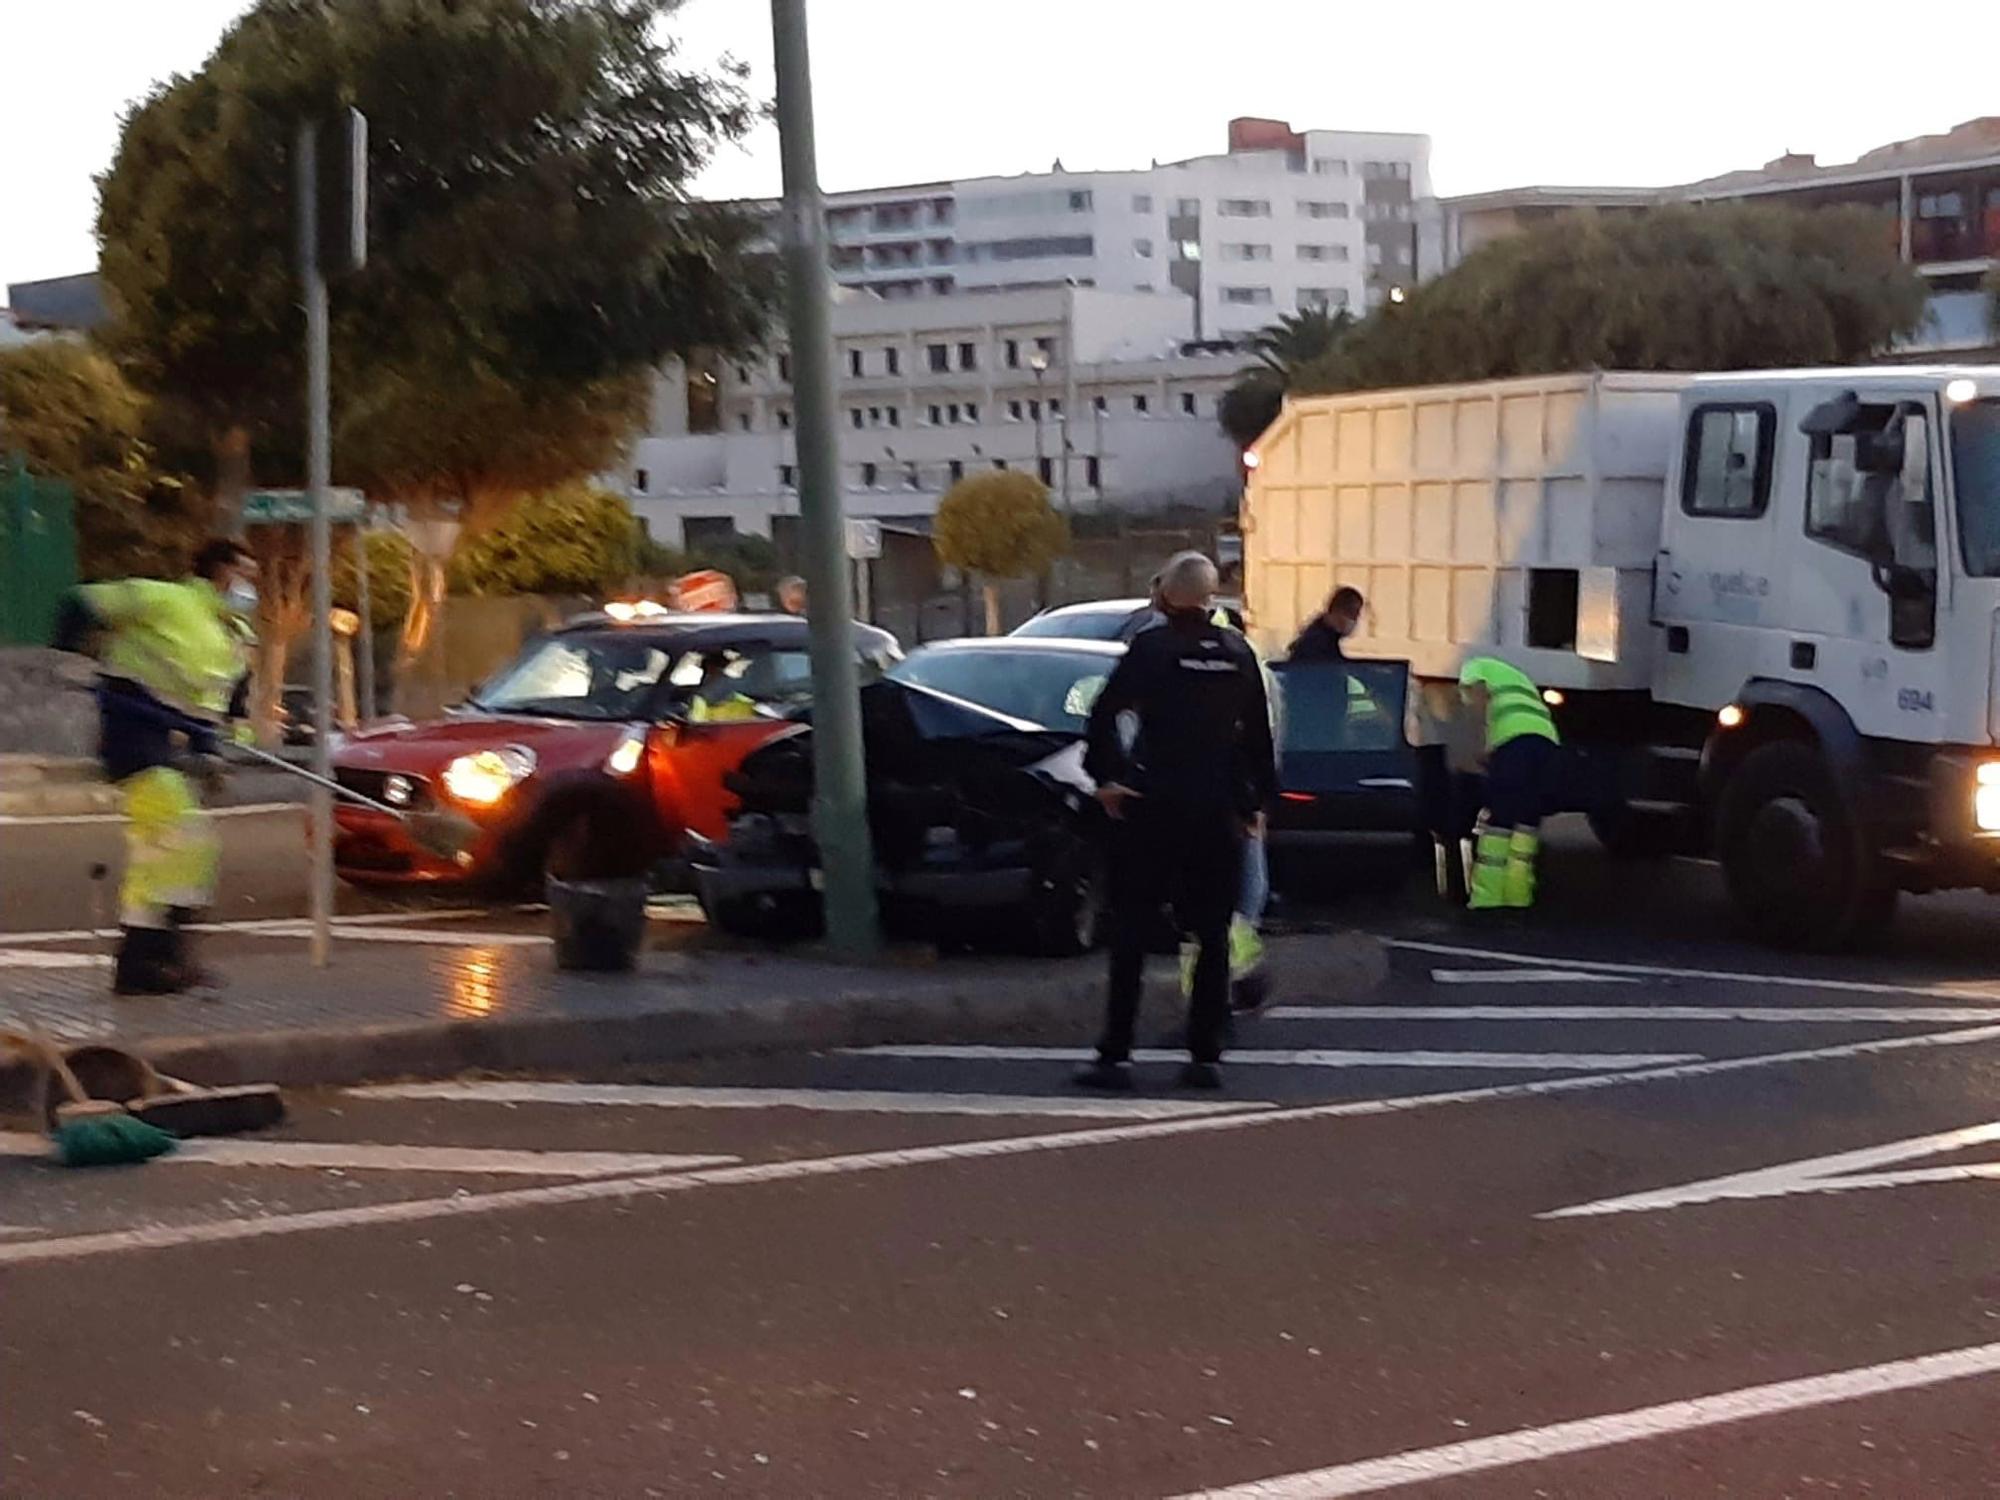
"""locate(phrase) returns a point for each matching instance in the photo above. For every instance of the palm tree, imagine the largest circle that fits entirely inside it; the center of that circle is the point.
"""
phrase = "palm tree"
(1282, 349)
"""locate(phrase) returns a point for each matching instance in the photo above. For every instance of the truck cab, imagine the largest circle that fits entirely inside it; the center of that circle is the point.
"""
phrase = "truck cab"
(1828, 585)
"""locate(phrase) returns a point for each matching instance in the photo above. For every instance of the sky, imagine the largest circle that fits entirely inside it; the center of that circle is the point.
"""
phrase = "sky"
(1510, 91)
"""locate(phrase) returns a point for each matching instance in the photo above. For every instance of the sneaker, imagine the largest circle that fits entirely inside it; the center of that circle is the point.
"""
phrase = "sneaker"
(1201, 1075)
(1107, 1076)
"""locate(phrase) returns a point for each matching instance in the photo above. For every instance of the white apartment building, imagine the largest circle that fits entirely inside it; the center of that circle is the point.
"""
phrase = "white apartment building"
(1102, 393)
(1281, 221)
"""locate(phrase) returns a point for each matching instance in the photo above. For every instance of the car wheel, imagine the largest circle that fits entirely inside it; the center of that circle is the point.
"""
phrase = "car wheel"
(1798, 867)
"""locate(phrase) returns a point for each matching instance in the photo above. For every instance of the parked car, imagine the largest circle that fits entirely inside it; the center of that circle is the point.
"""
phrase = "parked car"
(595, 750)
(1049, 682)
(1099, 620)
(982, 824)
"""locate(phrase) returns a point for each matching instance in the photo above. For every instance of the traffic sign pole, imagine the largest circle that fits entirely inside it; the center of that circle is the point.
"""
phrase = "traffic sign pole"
(318, 481)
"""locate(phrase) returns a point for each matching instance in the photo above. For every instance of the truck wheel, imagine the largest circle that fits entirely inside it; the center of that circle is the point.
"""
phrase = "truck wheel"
(1798, 867)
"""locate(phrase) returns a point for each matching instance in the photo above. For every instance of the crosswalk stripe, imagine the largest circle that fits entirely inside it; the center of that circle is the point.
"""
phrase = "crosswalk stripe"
(1822, 1015)
(853, 1101)
(1308, 1057)
(372, 1157)
(34, 958)
(1526, 976)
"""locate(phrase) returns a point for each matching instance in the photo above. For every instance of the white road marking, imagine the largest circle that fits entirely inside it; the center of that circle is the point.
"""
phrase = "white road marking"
(1305, 1057)
(1843, 1172)
(364, 1156)
(30, 958)
(1822, 1015)
(49, 820)
(258, 924)
(165, 1236)
(1539, 1444)
(1948, 991)
(455, 937)
(859, 1101)
(1526, 976)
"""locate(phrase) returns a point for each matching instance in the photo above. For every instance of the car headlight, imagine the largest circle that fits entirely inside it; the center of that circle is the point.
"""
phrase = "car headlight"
(625, 757)
(484, 777)
(1986, 798)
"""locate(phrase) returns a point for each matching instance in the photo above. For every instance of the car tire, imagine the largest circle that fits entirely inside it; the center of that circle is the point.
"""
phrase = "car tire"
(1798, 866)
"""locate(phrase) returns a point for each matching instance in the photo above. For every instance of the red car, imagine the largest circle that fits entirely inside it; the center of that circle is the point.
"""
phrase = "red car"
(601, 744)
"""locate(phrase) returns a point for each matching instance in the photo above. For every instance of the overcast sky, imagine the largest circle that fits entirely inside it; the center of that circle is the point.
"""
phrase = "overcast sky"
(1518, 91)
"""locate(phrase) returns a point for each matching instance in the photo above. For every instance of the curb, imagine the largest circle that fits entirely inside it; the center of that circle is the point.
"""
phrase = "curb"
(58, 799)
(1066, 1005)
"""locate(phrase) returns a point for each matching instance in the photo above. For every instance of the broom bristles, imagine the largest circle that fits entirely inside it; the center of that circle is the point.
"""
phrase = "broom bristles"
(109, 1140)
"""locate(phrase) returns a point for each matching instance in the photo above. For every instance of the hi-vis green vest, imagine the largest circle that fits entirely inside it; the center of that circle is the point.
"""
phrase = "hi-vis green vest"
(1514, 705)
(178, 641)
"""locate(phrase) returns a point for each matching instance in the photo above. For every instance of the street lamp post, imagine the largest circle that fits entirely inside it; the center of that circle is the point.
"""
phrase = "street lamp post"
(1039, 363)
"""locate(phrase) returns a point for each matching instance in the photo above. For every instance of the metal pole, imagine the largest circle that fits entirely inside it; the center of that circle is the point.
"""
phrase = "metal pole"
(366, 709)
(840, 796)
(318, 463)
(1068, 352)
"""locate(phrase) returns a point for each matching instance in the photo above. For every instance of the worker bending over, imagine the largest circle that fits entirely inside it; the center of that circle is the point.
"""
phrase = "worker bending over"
(1518, 758)
(171, 675)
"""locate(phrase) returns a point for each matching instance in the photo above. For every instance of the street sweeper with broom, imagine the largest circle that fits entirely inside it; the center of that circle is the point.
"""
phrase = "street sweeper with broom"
(172, 674)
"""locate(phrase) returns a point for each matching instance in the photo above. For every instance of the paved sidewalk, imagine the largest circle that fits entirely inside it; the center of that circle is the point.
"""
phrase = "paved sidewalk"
(434, 998)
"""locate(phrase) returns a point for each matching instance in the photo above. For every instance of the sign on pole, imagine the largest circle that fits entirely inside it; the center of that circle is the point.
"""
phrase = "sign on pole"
(344, 507)
(864, 539)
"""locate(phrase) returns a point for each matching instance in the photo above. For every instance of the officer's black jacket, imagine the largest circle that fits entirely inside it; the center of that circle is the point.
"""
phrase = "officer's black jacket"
(1204, 736)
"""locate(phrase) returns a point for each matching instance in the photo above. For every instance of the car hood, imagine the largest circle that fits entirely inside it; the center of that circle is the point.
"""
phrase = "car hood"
(424, 749)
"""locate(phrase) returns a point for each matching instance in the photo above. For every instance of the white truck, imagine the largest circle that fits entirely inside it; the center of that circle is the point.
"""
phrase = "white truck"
(1766, 606)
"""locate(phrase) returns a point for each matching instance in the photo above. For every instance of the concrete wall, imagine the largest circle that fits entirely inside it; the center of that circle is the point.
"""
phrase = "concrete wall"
(40, 714)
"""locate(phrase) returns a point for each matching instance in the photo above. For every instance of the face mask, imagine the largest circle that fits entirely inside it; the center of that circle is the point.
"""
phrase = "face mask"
(241, 596)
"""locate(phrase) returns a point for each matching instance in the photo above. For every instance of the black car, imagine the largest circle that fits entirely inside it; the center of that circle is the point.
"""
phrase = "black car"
(1348, 777)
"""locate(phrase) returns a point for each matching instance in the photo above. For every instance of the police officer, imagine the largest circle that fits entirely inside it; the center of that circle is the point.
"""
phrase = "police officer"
(171, 672)
(1198, 775)
(1520, 744)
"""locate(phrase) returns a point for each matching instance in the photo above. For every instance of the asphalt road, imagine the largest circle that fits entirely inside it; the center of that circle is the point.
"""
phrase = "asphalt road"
(893, 1274)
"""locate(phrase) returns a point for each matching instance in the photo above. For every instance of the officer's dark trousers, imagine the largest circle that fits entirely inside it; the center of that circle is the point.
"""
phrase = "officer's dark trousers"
(1191, 859)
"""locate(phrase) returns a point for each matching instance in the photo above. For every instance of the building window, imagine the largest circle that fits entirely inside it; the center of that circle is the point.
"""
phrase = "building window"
(1187, 249)
(1034, 411)
(1099, 404)
(1247, 296)
(940, 357)
(971, 411)
(894, 415)
(936, 415)
(1246, 252)
(1139, 404)
(956, 468)
(968, 357)
(1143, 249)
(1011, 354)
(1046, 469)
(999, 463)
(854, 366)
(743, 421)
(784, 419)
(869, 474)
(1013, 411)
(1400, 170)
(1244, 208)
(1093, 472)
(1728, 463)
(788, 477)
(1142, 203)
(1323, 252)
(1374, 253)
(639, 479)
(1188, 408)
(1079, 201)
(784, 367)
(1187, 208)
(951, 413)
(912, 480)
(1329, 166)
(1321, 298)
(855, 416)
(1055, 406)
(1317, 209)
(1046, 345)
(742, 375)
(892, 361)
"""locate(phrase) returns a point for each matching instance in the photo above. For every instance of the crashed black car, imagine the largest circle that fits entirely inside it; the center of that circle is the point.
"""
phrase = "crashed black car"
(983, 824)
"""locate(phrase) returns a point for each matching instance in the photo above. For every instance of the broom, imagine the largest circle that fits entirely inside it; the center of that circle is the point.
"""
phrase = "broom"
(89, 1132)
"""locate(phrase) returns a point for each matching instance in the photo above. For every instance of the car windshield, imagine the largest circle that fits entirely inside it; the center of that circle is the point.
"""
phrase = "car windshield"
(579, 676)
(1975, 463)
(1079, 625)
(1054, 689)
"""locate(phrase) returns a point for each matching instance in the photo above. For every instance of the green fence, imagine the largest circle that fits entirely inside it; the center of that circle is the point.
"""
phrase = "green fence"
(37, 553)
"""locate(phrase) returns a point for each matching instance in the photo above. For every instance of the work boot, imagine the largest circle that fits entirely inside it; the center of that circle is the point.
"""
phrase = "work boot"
(194, 975)
(1201, 1075)
(147, 963)
(1106, 1076)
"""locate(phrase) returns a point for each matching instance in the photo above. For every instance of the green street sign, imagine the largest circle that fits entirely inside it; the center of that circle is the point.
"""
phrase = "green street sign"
(273, 507)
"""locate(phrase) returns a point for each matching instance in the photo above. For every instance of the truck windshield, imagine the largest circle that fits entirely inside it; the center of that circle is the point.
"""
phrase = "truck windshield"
(1975, 462)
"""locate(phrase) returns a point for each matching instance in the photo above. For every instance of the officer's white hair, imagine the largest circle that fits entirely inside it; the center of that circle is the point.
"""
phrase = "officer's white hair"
(1188, 581)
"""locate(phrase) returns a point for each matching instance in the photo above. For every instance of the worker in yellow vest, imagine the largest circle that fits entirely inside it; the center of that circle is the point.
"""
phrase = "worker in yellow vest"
(172, 659)
(1519, 754)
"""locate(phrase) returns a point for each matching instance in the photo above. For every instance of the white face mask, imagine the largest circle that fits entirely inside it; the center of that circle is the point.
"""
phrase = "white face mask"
(241, 596)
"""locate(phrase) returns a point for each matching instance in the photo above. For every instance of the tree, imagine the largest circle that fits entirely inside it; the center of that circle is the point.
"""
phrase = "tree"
(534, 253)
(1681, 287)
(72, 416)
(750, 561)
(576, 540)
(388, 554)
(1296, 340)
(998, 524)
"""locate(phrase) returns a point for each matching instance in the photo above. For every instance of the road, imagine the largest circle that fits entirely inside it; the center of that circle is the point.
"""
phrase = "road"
(894, 1273)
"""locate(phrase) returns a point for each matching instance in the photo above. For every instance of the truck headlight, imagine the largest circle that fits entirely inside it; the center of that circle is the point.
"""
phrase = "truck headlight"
(485, 776)
(1986, 798)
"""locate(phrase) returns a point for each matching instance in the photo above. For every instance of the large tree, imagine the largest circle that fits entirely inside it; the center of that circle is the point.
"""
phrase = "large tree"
(1680, 287)
(574, 540)
(69, 413)
(1285, 347)
(998, 524)
(533, 250)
